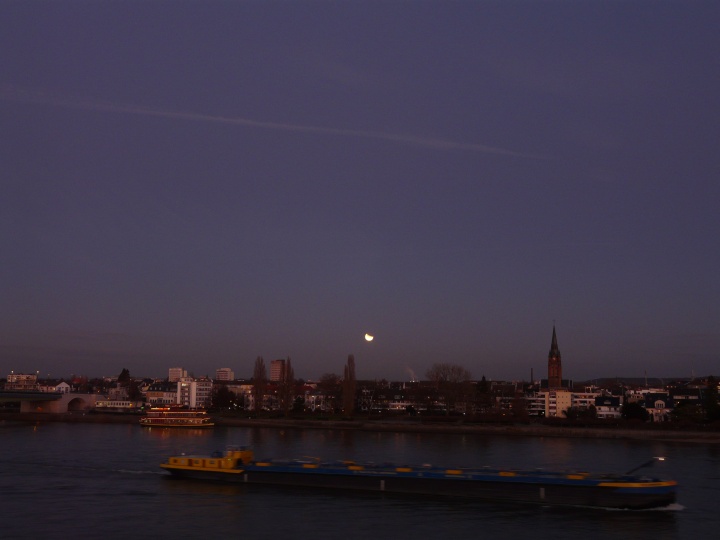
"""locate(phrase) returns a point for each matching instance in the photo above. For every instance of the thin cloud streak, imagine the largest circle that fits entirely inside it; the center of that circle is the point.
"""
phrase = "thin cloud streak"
(12, 93)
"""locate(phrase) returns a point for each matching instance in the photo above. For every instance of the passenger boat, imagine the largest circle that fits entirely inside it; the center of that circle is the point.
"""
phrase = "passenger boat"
(176, 417)
(626, 491)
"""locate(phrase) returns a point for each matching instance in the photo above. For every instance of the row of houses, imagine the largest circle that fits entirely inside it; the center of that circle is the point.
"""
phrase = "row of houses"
(559, 403)
(23, 382)
(382, 397)
(542, 404)
(194, 393)
(184, 391)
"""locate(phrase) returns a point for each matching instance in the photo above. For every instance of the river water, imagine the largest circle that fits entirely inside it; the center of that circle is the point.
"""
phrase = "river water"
(79, 481)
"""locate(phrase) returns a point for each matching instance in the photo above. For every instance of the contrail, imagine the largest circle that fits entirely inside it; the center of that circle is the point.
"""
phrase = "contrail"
(11, 93)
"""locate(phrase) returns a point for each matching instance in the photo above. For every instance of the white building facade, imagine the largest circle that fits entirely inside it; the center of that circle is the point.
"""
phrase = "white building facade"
(194, 393)
(608, 406)
(162, 393)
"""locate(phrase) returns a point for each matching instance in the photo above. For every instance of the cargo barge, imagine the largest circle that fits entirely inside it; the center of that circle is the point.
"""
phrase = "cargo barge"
(626, 491)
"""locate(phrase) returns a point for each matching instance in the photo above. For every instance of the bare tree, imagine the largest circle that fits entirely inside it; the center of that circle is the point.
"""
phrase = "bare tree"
(450, 380)
(259, 383)
(287, 387)
(330, 386)
(444, 372)
(483, 396)
(329, 383)
(349, 384)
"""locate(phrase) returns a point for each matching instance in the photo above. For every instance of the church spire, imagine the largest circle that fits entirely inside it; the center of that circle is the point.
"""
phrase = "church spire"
(554, 363)
(554, 350)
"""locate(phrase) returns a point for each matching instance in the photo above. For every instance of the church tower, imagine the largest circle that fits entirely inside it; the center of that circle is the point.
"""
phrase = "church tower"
(554, 364)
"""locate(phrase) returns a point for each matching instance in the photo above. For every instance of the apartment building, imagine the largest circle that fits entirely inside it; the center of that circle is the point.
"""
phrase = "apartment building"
(224, 374)
(194, 393)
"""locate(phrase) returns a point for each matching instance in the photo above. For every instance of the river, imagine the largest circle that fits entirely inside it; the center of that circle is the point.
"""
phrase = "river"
(81, 481)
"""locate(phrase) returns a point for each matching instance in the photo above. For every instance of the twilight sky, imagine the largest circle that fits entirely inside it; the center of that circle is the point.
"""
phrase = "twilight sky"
(197, 183)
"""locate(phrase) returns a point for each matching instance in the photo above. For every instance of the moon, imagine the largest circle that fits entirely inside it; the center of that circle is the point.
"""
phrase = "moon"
(368, 337)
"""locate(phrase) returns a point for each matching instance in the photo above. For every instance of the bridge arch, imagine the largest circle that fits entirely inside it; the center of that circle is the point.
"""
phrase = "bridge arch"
(59, 404)
(78, 404)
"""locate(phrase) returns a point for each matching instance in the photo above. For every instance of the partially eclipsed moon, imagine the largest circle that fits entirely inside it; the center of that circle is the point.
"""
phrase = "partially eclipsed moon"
(368, 337)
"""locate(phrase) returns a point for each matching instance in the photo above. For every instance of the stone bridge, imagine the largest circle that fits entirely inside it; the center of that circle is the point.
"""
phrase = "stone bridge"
(50, 402)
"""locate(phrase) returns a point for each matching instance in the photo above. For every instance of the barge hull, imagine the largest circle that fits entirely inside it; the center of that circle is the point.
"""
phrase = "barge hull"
(497, 491)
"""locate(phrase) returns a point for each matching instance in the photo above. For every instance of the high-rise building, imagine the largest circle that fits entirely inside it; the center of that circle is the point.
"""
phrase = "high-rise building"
(176, 373)
(277, 367)
(224, 374)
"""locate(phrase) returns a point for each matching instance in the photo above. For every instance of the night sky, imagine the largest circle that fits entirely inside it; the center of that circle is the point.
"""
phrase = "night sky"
(198, 183)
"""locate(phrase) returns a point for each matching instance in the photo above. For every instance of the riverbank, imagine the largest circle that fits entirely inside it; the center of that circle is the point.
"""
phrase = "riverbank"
(645, 432)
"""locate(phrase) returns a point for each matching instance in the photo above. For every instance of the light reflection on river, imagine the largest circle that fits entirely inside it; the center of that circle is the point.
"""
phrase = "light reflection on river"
(95, 480)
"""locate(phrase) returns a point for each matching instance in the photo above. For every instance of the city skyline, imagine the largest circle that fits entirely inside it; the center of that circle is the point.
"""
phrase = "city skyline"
(202, 183)
(552, 373)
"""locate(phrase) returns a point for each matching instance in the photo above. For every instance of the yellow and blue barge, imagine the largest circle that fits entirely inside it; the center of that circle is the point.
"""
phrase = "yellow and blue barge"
(625, 491)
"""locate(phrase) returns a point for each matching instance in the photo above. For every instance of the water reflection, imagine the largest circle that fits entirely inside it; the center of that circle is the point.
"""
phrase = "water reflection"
(177, 433)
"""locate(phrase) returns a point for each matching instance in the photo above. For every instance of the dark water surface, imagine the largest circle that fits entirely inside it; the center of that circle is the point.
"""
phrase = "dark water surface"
(103, 481)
